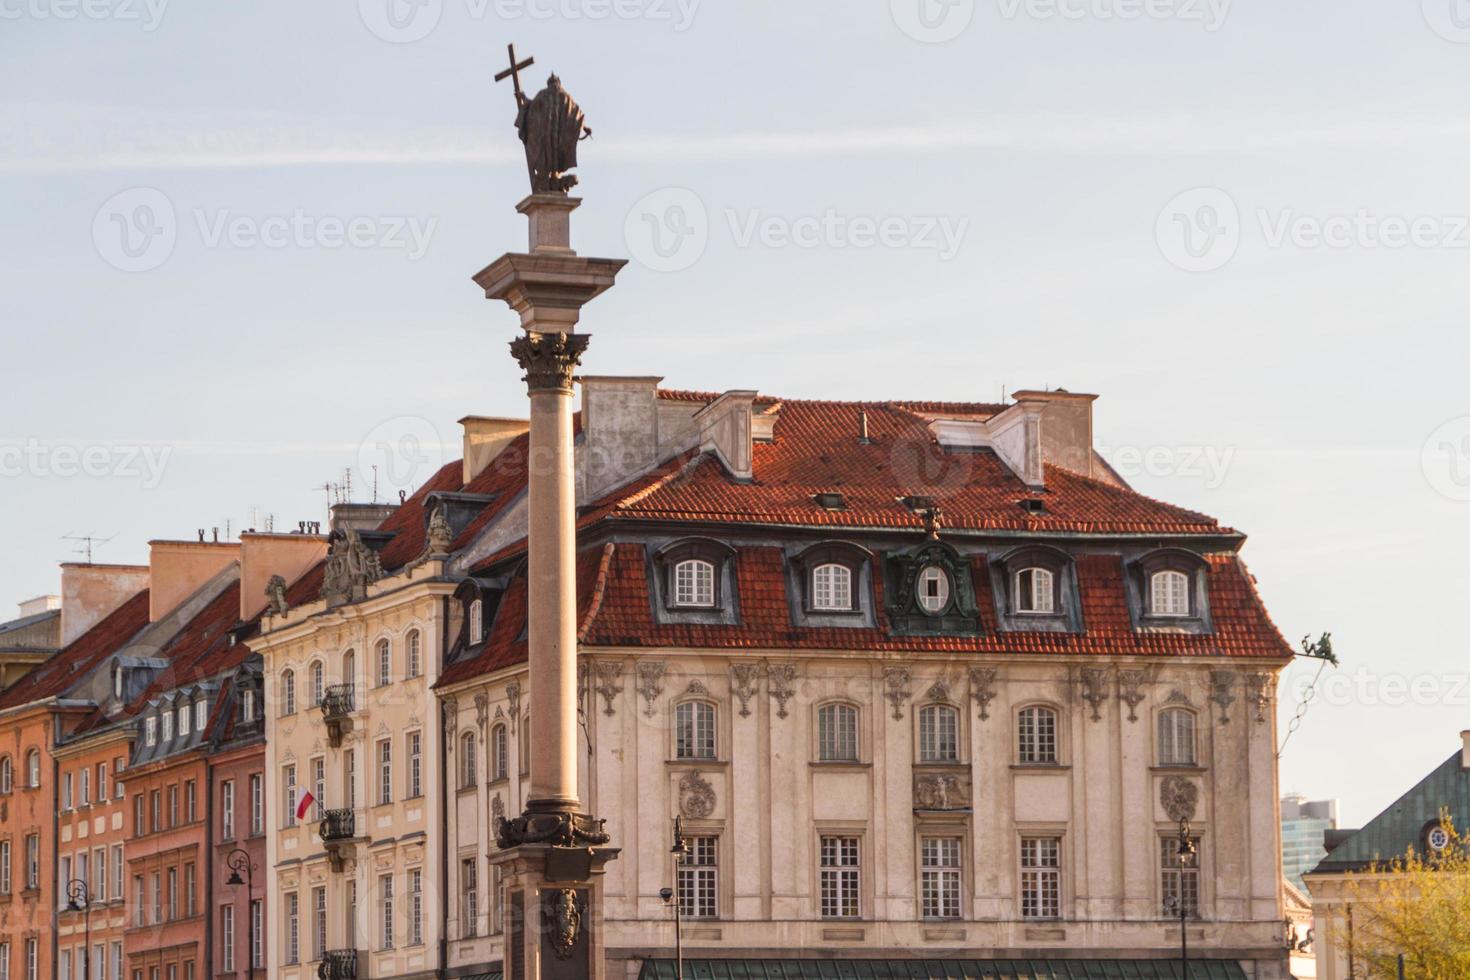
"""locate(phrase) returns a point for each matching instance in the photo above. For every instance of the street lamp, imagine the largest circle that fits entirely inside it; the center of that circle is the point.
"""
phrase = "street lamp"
(680, 848)
(1186, 855)
(79, 899)
(237, 861)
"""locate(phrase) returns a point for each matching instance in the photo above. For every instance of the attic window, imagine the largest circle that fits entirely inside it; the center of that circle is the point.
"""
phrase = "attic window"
(1033, 505)
(830, 501)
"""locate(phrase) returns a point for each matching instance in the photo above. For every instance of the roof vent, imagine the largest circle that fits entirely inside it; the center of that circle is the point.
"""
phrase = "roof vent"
(830, 501)
(1033, 505)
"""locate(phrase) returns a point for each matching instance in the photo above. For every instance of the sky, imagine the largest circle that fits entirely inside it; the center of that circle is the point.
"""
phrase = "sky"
(239, 240)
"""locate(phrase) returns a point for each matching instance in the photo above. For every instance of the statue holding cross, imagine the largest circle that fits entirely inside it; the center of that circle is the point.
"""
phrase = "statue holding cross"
(550, 125)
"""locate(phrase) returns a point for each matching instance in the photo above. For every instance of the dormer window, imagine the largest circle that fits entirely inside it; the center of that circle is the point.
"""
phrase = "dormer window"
(201, 713)
(477, 621)
(184, 719)
(1168, 594)
(694, 583)
(933, 588)
(1036, 591)
(150, 731)
(832, 588)
(247, 705)
(168, 726)
(117, 682)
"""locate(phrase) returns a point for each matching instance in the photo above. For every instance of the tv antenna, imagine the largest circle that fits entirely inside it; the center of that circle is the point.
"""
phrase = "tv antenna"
(88, 542)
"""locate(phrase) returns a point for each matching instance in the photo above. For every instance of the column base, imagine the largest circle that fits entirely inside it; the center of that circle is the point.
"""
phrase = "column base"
(555, 823)
(554, 904)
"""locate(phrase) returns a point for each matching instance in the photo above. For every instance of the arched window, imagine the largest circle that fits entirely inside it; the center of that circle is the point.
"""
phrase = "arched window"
(415, 665)
(500, 752)
(477, 621)
(384, 662)
(1036, 736)
(837, 733)
(939, 734)
(933, 589)
(7, 774)
(1176, 737)
(288, 692)
(1169, 593)
(694, 583)
(468, 766)
(349, 667)
(832, 588)
(694, 730)
(33, 769)
(1035, 591)
(318, 684)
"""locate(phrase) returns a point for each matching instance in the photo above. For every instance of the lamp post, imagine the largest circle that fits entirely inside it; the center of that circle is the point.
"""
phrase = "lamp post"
(237, 861)
(1186, 855)
(676, 896)
(79, 899)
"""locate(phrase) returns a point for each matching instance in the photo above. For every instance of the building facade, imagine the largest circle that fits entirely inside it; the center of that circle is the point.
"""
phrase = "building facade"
(1305, 825)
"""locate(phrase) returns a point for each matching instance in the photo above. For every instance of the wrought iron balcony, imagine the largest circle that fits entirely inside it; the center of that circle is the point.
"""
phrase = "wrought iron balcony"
(337, 708)
(338, 964)
(339, 836)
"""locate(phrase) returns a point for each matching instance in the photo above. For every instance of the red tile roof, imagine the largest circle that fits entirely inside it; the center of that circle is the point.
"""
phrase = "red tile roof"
(64, 670)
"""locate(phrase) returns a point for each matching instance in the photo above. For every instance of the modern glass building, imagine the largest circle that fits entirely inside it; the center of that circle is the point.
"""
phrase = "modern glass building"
(1304, 825)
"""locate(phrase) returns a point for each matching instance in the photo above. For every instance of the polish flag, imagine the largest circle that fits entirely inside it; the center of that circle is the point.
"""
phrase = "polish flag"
(304, 804)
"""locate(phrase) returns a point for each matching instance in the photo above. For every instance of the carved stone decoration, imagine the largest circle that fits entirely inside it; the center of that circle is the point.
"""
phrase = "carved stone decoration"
(940, 791)
(275, 593)
(482, 714)
(608, 673)
(896, 688)
(1177, 696)
(938, 691)
(650, 672)
(1222, 692)
(1179, 796)
(451, 722)
(549, 359)
(350, 567)
(745, 680)
(1260, 688)
(1130, 684)
(696, 795)
(697, 689)
(513, 695)
(1095, 689)
(497, 810)
(982, 688)
(582, 672)
(565, 910)
(439, 536)
(781, 682)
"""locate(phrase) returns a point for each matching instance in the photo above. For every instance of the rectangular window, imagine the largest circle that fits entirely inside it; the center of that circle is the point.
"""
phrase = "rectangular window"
(101, 782)
(1178, 882)
(66, 800)
(33, 861)
(190, 879)
(385, 772)
(84, 795)
(155, 805)
(139, 828)
(173, 806)
(99, 962)
(156, 883)
(117, 962)
(191, 802)
(293, 929)
(415, 659)
(63, 965)
(150, 731)
(415, 764)
(385, 912)
(117, 871)
(469, 885)
(349, 778)
(173, 894)
(257, 804)
(139, 902)
(200, 710)
(5, 867)
(99, 874)
(416, 907)
(319, 923)
(118, 789)
(694, 730)
(257, 933)
(185, 717)
(319, 784)
(227, 809)
(168, 725)
(497, 921)
(841, 878)
(698, 878)
(1041, 878)
(288, 794)
(33, 958)
(939, 885)
(4, 961)
(939, 734)
(62, 878)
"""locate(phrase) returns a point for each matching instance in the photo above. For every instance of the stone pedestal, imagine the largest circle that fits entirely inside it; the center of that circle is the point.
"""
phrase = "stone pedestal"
(553, 911)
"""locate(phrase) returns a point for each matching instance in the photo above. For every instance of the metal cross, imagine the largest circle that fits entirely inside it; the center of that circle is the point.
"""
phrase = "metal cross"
(513, 72)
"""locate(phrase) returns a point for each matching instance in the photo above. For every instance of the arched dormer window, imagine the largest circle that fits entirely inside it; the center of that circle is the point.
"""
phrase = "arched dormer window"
(832, 588)
(832, 579)
(1170, 588)
(468, 764)
(499, 752)
(383, 662)
(1036, 590)
(7, 774)
(694, 730)
(930, 590)
(837, 733)
(694, 583)
(1176, 737)
(477, 621)
(694, 575)
(939, 733)
(1035, 582)
(1168, 593)
(288, 692)
(33, 769)
(1036, 736)
(318, 683)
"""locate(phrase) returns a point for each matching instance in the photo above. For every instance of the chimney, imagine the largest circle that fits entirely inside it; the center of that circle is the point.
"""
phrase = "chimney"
(40, 604)
(725, 427)
(484, 438)
(90, 593)
(619, 432)
(178, 568)
(263, 555)
(1066, 431)
(360, 517)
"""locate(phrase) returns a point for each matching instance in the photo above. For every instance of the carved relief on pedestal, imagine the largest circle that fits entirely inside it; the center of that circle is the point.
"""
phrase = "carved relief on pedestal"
(650, 672)
(941, 791)
(781, 682)
(608, 672)
(982, 688)
(744, 683)
(896, 688)
(696, 795)
(565, 913)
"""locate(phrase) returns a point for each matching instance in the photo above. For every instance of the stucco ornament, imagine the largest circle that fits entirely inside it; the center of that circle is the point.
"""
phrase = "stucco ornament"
(1130, 684)
(938, 691)
(439, 536)
(1095, 689)
(940, 792)
(1222, 692)
(696, 795)
(565, 911)
(982, 688)
(275, 593)
(745, 679)
(351, 566)
(1261, 688)
(482, 713)
(781, 682)
(608, 672)
(1179, 797)
(650, 672)
(497, 811)
(513, 695)
(896, 682)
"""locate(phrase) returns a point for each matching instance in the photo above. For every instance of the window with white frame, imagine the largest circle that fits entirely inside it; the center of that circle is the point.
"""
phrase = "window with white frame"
(4, 961)
(841, 877)
(288, 692)
(832, 588)
(1176, 737)
(933, 589)
(1178, 882)
(468, 764)
(1036, 736)
(1168, 594)
(33, 958)
(1041, 878)
(694, 583)
(1035, 591)
(257, 804)
(500, 752)
(469, 896)
(318, 786)
(385, 911)
(7, 774)
(66, 797)
(293, 929)
(415, 765)
(5, 866)
(288, 794)
(186, 717)
(413, 646)
(837, 733)
(416, 907)
(150, 731)
(699, 878)
(84, 787)
(247, 705)
(319, 923)
(257, 932)
(117, 961)
(385, 772)
(316, 674)
(201, 712)
(99, 875)
(117, 872)
(33, 769)
(477, 620)
(101, 782)
(33, 861)
(939, 733)
(694, 730)
(168, 726)
(384, 660)
(227, 809)
(349, 778)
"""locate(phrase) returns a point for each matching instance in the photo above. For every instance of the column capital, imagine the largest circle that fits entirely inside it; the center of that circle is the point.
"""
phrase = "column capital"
(549, 358)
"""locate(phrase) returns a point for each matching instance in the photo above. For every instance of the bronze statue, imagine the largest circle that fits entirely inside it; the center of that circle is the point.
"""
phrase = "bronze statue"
(550, 125)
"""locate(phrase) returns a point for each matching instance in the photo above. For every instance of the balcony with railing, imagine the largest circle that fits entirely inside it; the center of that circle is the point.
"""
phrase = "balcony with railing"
(338, 831)
(337, 707)
(339, 964)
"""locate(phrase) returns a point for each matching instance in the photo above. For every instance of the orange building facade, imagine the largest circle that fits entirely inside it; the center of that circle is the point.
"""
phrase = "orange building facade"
(27, 842)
